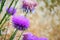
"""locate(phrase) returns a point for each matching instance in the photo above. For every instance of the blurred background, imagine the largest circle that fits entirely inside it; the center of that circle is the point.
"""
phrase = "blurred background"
(44, 21)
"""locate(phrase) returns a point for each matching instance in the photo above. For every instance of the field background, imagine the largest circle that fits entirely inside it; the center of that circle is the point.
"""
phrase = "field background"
(42, 21)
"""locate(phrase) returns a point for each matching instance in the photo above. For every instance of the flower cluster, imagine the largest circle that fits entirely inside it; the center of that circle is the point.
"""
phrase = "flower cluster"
(20, 22)
(28, 6)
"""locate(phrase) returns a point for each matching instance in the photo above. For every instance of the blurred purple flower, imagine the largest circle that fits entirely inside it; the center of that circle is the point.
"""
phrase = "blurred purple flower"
(28, 6)
(30, 36)
(43, 38)
(11, 11)
(20, 22)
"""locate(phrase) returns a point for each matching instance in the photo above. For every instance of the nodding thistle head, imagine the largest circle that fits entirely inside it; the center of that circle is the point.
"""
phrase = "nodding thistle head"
(20, 22)
(11, 11)
(28, 6)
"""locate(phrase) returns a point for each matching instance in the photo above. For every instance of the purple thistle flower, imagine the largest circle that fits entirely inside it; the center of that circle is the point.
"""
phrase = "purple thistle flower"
(20, 22)
(11, 11)
(30, 36)
(28, 6)
(43, 38)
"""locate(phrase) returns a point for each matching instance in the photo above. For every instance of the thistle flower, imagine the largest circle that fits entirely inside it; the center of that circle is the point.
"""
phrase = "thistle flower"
(30, 36)
(20, 22)
(28, 6)
(11, 11)
(43, 38)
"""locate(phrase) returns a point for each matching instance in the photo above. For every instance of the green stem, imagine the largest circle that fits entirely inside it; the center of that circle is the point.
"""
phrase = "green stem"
(4, 21)
(20, 35)
(3, 18)
(16, 3)
(2, 4)
(11, 3)
(13, 35)
(1, 26)
(6, 12)
(9, 7)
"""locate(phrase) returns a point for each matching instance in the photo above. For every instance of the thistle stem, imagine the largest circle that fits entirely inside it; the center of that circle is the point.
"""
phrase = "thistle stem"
(6, 12)
(20, 35)
(11, 3)
(16, 3)
(2, 4)
(4, 21)
(1, 26)
(3, 18)
(13, 35)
